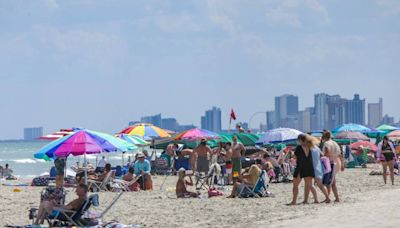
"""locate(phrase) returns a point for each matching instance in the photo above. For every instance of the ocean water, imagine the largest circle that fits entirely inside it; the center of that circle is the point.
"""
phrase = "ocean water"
(19, 155)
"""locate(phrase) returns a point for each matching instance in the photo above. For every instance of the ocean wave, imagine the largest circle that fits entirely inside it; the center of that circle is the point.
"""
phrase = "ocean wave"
(24, 161)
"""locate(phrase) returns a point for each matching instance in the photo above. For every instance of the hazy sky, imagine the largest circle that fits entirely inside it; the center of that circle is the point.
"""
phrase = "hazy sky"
(99, 64)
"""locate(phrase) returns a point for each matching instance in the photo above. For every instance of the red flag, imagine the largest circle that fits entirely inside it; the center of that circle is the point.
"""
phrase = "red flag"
(233, 116)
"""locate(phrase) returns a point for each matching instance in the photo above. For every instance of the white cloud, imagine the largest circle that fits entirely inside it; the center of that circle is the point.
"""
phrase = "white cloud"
(279, 15)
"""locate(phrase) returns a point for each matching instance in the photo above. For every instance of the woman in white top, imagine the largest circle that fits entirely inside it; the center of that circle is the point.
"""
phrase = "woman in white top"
(386, 149)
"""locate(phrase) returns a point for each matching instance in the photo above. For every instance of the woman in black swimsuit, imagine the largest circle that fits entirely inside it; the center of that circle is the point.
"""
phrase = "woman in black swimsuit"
(386, 149)
(304, 169)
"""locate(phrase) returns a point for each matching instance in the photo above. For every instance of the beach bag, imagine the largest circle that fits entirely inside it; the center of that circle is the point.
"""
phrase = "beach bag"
(40, 181)
(326, 164)
(214, 192)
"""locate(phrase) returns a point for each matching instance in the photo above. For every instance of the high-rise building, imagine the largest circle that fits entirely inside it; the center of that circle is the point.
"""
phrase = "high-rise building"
(169, 124)
(212, 120)
(321, 110)
(305, 120)
(286, 107)
(328, 111)
(354, 110)
(33, 133)
(271, 120)
(155, 120)
(387, 120)
(375, 113)
(131, 123)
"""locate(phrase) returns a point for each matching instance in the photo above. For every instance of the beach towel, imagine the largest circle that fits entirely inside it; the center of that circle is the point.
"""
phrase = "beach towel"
(328, 177)
(326, 164)
(316, 154)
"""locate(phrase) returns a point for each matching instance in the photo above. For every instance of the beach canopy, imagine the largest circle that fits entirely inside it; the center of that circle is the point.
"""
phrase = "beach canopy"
(83, 142)
(196, 134)
(364, 144)
(394, 135)
(352, 135)
(247, 139)
(279, 135)
(146, 131)
(134, 139)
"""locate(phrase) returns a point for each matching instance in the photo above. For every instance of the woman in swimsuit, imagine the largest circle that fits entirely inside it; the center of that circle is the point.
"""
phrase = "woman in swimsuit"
(304, 169)
(181, 186)
(386, 149)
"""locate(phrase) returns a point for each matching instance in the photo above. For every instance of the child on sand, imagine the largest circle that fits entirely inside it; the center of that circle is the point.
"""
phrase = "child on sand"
(181, 190)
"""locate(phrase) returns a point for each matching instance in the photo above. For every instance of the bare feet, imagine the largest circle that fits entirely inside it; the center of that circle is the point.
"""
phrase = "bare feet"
(231, 196)
(316, 202)
(291, 204)
(327, 201)
(304, 202)
(337, 201)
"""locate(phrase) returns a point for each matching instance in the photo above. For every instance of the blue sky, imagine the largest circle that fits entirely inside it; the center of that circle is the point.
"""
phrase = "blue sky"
(100, 64)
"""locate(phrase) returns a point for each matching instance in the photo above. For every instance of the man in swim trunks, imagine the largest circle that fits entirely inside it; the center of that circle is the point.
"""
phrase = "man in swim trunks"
(202, 155)
(332, 150)
(228, 161)
(237, 153)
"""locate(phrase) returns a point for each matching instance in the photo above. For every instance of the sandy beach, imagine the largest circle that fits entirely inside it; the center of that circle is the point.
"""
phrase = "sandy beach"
(362, 197)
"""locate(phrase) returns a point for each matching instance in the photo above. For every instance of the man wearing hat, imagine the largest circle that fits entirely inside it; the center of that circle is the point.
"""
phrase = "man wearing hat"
(142, 167)
(202, 154)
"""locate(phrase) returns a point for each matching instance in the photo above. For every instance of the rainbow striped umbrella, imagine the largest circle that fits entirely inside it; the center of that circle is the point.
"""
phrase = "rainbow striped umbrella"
(83, 142)
(196, 134)
(146, 131)
(134, 139)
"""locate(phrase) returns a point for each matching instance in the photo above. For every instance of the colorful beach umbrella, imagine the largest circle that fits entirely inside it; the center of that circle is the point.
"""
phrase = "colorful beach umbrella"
(146, 131)
(83, 142)
(394, 135)
(364, 144)
(351, 135)
(279, 135)
(387, 128)
(196, 134)
(134, 139)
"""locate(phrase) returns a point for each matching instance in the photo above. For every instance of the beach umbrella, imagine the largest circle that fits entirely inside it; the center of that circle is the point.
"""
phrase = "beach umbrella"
(58, 134)
(196, 134)
(354, 127)
(365, 144)
(387, 128)
(146, 131)
(134, 139)
(351, 135)
(394, 135)
(279, 135)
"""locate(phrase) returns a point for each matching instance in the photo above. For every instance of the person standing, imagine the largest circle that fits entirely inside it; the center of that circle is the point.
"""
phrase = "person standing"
(228, 161)
(101, 165)
(59, 164)
(304, 170)
(202, 155)
(238, 151)
(332, 150)
(386, 149)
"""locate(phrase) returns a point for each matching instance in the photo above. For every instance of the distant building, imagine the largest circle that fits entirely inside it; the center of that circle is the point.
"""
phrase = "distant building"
(131, 123)
(387, 120)
(354, 110)
(170, 124)
(271, 120)
(286, 108)
(155, 120)
(33, 133)
(184, 127)
(212, 120)
(375, 113)
(305, 120)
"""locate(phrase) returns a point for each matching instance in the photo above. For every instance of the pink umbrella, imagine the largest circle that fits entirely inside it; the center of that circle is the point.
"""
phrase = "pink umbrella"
(196, 134)
(394, 135)
(352, 135)
(364, 144)
(57, 135)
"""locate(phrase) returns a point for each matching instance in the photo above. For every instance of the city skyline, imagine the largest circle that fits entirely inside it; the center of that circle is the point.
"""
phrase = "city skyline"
(100, 64)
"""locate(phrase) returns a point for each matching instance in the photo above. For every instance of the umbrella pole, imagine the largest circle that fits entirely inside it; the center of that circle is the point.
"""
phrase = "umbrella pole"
(85, 164)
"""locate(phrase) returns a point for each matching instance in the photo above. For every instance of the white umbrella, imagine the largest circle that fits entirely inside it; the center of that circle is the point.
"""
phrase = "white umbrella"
(279, 135)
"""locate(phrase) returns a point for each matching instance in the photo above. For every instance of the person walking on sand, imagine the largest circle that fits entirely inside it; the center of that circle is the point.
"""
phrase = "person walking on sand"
(386, 149)
(304, 170)
(238, 151)
(332, 150)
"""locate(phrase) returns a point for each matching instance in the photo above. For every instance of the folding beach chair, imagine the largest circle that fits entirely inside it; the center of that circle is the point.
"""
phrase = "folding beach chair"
(122, 185)
(101, 185)
(162, 167)
(258, 190)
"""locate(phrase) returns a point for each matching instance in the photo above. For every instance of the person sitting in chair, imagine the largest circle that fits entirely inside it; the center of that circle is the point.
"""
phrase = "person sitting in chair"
(250, 178)
(181, 190)
(143, 167)
(50, 208)
(8, 173)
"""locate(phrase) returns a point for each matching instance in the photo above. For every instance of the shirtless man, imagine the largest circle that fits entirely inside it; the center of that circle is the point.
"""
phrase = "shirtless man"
(238, 151)
(228, 161)
(202, 154)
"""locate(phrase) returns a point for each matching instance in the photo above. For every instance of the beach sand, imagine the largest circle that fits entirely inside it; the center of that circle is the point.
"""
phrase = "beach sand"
(363, 197)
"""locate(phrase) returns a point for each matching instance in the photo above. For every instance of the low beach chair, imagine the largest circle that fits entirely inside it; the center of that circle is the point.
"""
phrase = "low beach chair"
(101, 185)
(162, 167)
(258, 190)
(122, 185)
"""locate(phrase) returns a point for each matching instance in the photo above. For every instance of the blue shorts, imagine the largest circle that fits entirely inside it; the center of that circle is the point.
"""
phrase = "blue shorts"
(55, 214)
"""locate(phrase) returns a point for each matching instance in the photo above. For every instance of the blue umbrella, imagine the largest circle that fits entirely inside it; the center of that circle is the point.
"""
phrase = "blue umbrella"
(356, 128)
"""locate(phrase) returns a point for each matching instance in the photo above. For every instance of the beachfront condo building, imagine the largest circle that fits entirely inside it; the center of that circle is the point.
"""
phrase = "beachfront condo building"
(33, 133)
(212, 120)
(375, 113)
